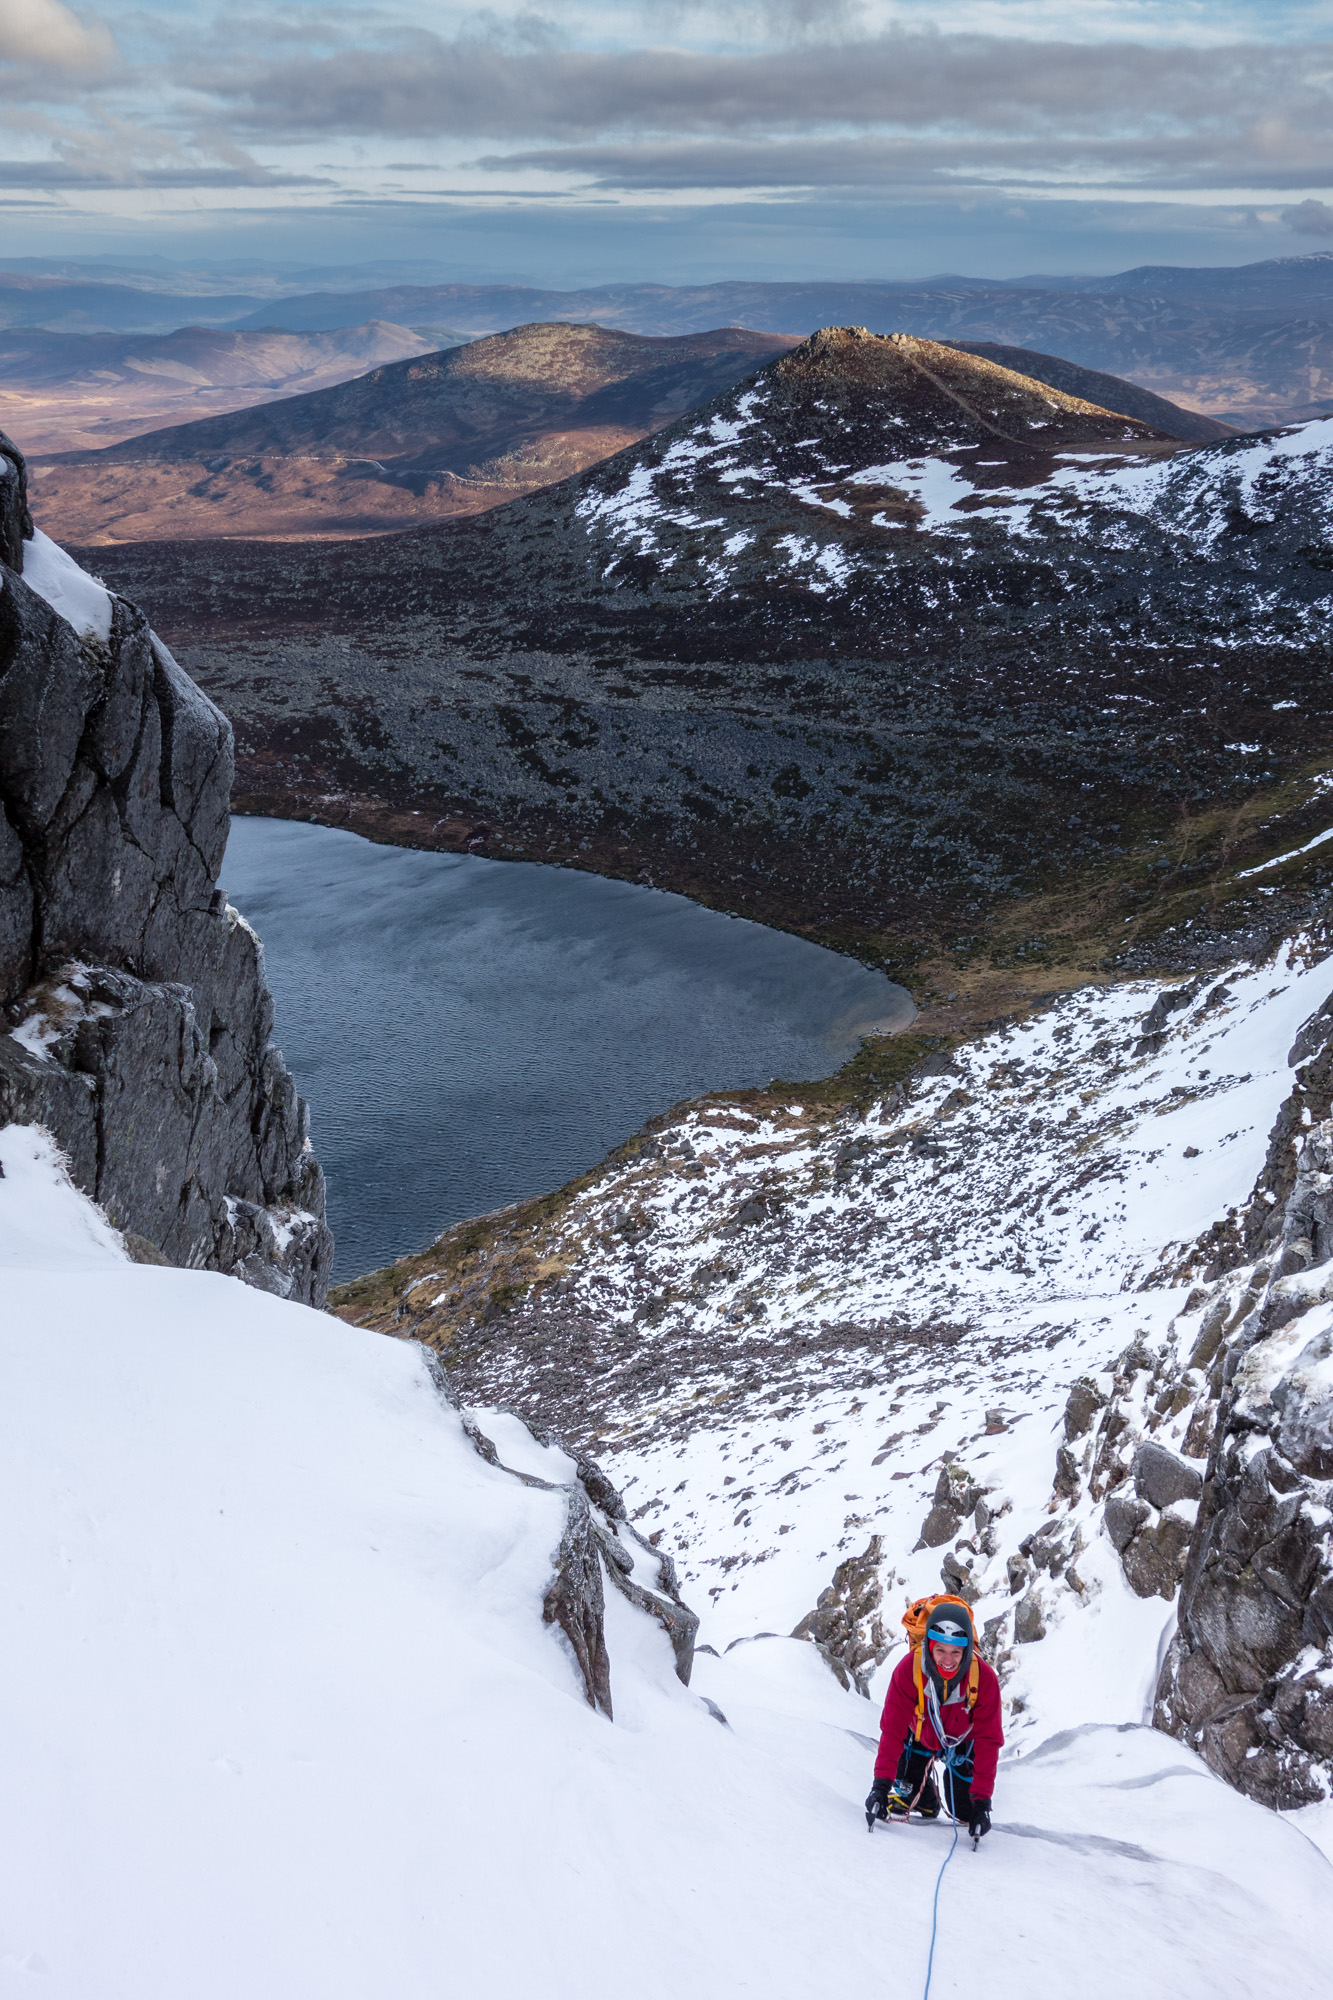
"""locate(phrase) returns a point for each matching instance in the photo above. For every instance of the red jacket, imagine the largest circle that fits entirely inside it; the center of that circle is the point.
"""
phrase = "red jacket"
(898, 1722)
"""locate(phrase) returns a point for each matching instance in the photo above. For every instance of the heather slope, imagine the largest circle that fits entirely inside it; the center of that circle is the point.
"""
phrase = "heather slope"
(436, 435)
(1112, 392)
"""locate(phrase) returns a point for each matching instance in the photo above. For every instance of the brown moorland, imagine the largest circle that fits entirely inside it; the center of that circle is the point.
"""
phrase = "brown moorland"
(418, 441)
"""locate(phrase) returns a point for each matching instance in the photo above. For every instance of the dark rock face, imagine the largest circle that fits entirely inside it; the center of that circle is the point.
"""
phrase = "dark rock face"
(1249, 1677)
(138, 1015)
(576, 1601)
(1084, 1401)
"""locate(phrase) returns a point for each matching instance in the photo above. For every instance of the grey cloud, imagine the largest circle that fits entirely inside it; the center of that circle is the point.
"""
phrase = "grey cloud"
(1310, 218)
(955, 165)
(909, 81)
(66, 174)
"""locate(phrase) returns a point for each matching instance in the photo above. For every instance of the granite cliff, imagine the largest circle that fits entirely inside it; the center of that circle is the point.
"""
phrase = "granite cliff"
(139, 1023)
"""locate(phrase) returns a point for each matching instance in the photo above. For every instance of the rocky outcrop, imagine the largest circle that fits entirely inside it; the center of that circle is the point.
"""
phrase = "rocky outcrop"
(598, 1543)
(847, 1624)
(1248, 1680)
(139, 1022)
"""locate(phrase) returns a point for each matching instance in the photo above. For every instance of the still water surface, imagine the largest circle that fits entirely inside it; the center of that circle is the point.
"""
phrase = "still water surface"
(471, 1032)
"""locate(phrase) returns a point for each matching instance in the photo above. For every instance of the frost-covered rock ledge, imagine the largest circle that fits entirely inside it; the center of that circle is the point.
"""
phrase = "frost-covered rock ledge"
(137, 1016)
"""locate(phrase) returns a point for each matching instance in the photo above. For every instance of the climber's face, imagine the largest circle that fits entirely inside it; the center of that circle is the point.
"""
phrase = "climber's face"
(947, 1658)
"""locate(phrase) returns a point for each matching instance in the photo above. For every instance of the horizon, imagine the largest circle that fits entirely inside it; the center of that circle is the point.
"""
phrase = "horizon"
(122, 268)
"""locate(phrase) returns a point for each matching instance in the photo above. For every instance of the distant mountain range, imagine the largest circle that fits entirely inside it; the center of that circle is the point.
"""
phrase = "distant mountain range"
(868, 645)
(1251, 346)
(75, 391)
(453, 433)
(79, 305)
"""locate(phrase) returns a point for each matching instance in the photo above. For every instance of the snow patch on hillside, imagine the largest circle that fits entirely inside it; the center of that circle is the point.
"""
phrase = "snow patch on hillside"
(1194, 500)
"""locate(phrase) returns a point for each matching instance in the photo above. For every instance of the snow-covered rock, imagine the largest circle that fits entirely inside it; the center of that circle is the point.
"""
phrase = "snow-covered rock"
(1249, 1677)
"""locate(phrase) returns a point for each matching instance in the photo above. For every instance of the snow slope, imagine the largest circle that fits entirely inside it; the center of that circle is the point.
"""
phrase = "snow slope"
(840, 1303)
(282, 1718)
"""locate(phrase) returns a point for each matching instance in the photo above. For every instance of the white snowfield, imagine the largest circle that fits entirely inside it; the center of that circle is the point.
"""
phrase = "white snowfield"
(282, 1719)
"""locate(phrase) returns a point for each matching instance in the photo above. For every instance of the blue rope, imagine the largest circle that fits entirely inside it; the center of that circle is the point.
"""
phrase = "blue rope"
(935, 1911)
(952, 1766)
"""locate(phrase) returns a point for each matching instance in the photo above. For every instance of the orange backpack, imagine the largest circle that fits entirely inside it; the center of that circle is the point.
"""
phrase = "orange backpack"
(916, 1620)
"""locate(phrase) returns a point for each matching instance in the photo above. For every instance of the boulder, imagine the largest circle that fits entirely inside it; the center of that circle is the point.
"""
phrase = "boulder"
(957, 1578)
(1154, 1559)
(1029, 1620)
(940, 1526)
(1083, 1402)
(956, 1495)
(1124, 1517)
(1068, 1484)
(1161, 1478)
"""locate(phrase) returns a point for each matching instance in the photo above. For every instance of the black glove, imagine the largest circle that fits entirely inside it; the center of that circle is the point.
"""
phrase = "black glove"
(877, 1804)
(978, 1818)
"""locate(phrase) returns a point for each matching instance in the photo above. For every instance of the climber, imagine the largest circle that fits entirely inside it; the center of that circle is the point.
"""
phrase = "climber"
(942, 1711)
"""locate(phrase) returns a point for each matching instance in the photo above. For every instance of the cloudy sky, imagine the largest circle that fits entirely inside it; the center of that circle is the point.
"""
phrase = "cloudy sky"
(761, 138)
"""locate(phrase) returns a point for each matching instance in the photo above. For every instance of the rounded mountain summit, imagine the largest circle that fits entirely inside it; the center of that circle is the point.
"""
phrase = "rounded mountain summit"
(869, 644)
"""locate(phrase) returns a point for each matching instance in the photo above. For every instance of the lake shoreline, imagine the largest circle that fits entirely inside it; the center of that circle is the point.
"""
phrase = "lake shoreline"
(472, 1033)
